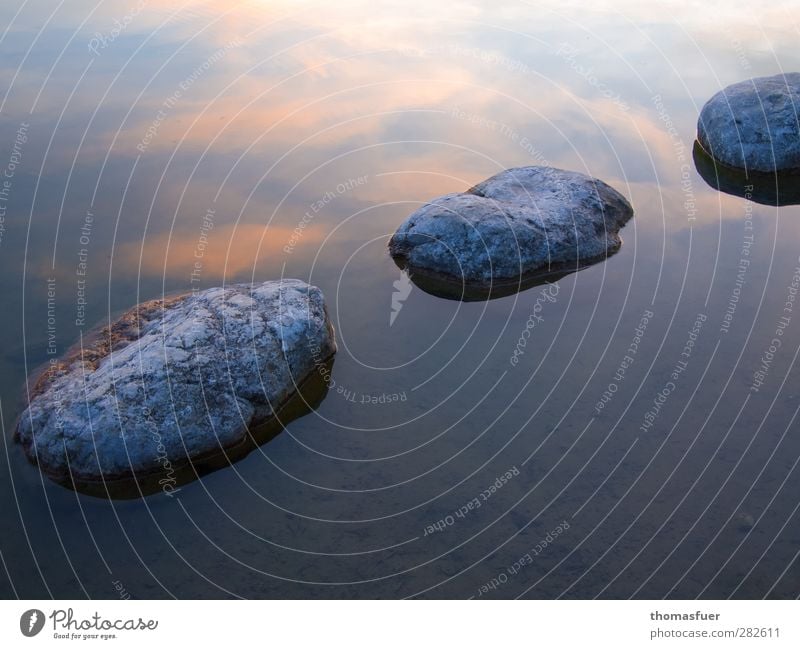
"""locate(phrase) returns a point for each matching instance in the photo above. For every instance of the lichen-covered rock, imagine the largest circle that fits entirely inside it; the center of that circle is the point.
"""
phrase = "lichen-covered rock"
(174, 381)
(511, 228)
(754, 124)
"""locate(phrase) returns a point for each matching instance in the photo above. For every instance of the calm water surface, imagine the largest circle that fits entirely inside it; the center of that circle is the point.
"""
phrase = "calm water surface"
(159, 147)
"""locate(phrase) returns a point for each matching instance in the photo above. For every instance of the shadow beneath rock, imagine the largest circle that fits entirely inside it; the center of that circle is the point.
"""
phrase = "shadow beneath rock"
(452, 288)
(759, 187)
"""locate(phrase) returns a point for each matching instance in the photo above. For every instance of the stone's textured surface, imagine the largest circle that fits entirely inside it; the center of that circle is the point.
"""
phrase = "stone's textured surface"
(175, 380)
(514, 225)
(753, 124)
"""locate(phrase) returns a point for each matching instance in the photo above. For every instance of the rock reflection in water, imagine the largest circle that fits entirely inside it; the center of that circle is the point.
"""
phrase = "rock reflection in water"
(780, 188)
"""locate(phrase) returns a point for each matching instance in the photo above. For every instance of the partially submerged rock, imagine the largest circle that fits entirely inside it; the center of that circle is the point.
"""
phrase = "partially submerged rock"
(516, 229)
(754, 125)
(778, 188)
(178, 387)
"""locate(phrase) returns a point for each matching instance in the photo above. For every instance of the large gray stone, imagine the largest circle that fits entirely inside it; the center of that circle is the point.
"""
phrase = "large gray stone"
(753, 124)
(176, 383)
(510, 230)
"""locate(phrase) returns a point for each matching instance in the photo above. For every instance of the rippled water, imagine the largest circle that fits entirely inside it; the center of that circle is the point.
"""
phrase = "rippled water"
(289, 140)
